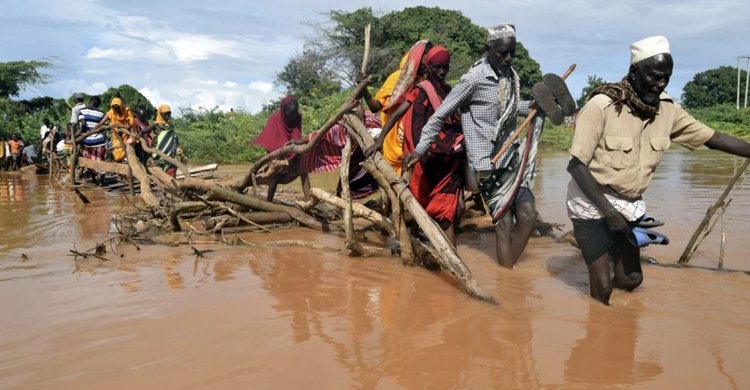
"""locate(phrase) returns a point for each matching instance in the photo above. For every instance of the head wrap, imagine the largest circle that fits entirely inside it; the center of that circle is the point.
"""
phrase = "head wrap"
(438, 55)
(159, 117)
(124, 117)
(408, 76)
(500, 31)
(648, 47)
(279, 130)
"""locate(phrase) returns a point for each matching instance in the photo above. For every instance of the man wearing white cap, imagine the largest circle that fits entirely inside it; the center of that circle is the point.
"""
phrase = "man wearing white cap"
(488, 97)
(621, 135)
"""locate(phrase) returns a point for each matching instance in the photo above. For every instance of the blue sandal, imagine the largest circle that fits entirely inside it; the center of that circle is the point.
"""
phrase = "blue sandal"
(641, 237)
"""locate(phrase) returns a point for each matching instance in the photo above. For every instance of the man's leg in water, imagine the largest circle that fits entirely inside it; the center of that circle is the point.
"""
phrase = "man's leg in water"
(628, 272)
(503, 234)
(600, 280)
(525, 219)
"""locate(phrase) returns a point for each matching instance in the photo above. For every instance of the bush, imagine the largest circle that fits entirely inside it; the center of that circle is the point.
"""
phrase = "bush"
(725, 118)
(210, 136)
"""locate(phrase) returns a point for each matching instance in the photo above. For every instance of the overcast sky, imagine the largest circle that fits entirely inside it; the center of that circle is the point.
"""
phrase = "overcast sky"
(226, 53)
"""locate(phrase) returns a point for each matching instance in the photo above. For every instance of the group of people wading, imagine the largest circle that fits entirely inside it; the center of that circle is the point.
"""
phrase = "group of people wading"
(447, 138)
(98, 145)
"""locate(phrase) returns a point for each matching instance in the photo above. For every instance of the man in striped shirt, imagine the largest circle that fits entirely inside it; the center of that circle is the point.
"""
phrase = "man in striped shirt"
(94, 146)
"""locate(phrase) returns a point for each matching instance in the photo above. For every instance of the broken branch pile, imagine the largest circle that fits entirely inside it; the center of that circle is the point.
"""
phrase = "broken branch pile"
(173, 205)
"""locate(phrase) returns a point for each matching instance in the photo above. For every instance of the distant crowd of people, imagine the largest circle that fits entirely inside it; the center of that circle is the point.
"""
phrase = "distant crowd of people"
(96, 141)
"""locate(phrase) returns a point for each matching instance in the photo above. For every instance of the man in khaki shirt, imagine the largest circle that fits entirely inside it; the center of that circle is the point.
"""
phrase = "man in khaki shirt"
(621, 135)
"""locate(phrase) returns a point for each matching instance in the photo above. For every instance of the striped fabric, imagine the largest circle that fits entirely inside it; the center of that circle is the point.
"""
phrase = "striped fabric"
(92, 117)
(326, 155)
(499, 187)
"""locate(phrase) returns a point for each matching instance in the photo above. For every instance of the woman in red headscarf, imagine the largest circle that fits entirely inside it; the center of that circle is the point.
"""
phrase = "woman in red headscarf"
(437, 180)
(282, 128)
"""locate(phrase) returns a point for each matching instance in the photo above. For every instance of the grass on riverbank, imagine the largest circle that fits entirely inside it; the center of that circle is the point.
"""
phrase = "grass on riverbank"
(215, 138)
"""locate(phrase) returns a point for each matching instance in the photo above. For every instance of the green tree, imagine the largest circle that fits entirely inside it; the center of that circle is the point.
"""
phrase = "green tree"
(464, 39)
(336, 48)
(712, 87)
(131, 96)
(592, 82)
(17, 75)
(307, 78)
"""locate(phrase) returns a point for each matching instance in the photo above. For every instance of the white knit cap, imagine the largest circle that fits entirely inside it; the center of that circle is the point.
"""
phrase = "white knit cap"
(648, 47)
(505, 30)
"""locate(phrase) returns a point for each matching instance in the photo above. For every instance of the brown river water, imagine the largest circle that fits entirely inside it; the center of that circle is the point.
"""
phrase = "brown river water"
(296, 317)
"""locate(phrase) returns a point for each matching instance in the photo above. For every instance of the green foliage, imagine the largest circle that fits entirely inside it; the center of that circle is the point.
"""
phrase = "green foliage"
(26, 117)
(592, 82)
(335, 52)
(400, 29)
(17, 75)
(306, 78)
(528, 70)
(712, 87)
(208, 135)
(725, 118)
(130, 96)
(211, 136)
(556, 137)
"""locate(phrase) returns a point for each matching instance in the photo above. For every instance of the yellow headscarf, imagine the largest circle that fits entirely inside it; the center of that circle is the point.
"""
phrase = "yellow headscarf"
(125, 117)
(159, 118)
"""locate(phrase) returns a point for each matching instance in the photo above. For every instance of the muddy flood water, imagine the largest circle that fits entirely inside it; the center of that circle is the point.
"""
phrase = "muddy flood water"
(313, 318)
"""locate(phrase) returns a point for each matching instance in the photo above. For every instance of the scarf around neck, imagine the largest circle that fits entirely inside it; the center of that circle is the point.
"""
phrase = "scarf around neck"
(508, 90)
(623, 93)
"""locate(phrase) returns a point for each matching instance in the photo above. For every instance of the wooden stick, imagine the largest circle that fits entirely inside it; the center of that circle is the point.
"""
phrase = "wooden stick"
(691, 247)
(107, 166)
(366, 56)
(532, 113)
(723, 240)
(345, 193)
(357, 209)
(138, 171)
(707, 231)
(253, 202)
(397, 216)
(73, 160)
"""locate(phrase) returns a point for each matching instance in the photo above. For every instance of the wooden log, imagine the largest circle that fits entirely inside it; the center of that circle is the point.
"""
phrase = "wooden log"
(207, 169)
(345, 194)
(448, 257)
(406, 249)
(121, 169)
(183, 207)
(691, 247)
(138, 171)
(185, 171)
(217, 192)
(258, 217)
(73, 162)
(357, 209)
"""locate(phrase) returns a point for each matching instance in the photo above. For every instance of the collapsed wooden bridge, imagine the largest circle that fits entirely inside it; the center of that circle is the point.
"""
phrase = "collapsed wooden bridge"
(170, 203)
